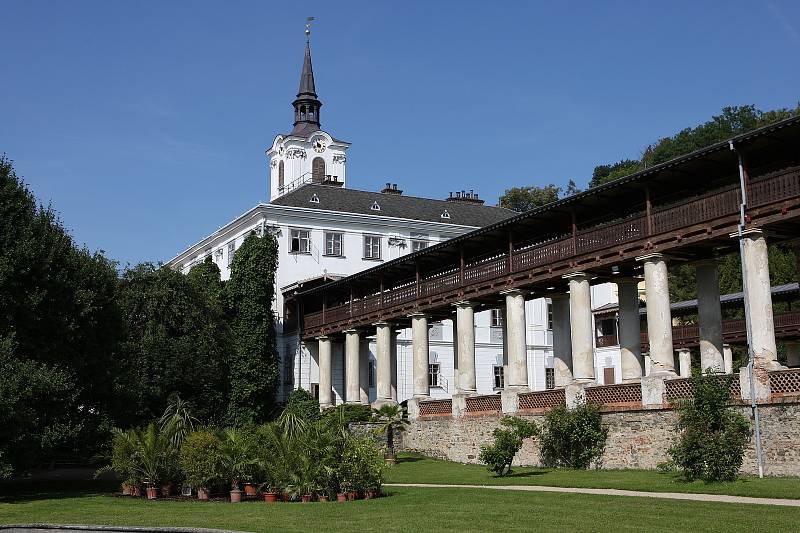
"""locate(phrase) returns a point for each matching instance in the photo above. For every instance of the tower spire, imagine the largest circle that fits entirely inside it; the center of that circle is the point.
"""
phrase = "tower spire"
(306, 105)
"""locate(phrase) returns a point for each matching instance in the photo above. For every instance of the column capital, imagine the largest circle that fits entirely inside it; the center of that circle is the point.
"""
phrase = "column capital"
(419, 314)
(351, 330)
(322, 338)
(576, 276)
(379, 324)
(515, 292)
(748, 233)
(628, 281)
(464, 304)
(656, 256)
(710, 262)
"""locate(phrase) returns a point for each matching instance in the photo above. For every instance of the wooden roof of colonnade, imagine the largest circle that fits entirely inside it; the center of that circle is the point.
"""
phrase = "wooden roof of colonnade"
(704, 173)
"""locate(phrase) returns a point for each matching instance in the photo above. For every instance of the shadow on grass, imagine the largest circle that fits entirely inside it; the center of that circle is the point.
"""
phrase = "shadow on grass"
(526, 474)
(410, 459)
(25, 491)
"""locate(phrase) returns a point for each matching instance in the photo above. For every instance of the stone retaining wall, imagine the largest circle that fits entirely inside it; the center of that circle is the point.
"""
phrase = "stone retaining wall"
(636, 439)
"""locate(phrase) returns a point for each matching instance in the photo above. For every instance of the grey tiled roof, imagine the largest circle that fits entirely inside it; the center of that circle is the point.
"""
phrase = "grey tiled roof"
(392, 205)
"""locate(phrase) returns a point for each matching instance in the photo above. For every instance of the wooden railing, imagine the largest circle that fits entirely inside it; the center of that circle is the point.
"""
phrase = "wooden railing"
(720, 203)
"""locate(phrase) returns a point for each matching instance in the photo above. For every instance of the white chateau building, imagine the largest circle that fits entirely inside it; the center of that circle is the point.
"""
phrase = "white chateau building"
(326, 231)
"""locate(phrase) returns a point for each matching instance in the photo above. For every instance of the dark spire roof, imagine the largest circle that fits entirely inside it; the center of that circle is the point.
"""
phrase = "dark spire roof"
(306, 105)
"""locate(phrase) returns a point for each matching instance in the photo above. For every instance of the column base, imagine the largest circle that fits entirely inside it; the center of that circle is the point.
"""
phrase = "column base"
(380, 402)
(761, 385)
(575, 393)
(632, 380)
(509, 400)
(517, 389)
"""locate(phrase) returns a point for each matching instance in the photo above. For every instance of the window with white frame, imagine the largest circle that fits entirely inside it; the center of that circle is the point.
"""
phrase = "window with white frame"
(299, 241)
(333, 244)
(372, 247)
(433, 374)
(499, 377)
(497, 318)
(231, 251)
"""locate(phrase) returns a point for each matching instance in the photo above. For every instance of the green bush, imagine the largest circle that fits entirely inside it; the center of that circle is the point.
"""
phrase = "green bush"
(348, 412)
(507, 441)
(712, 436)
(200, 458)
(573, 438)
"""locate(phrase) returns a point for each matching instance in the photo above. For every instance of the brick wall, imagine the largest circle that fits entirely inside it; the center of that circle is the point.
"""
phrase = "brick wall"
(636, 439)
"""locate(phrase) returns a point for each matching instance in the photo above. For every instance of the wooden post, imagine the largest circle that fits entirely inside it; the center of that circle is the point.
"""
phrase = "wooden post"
(381, 291)
(574, 233)
(416, 268)
(510, 252)
(461, 267)
(324, 305)
(649, 209)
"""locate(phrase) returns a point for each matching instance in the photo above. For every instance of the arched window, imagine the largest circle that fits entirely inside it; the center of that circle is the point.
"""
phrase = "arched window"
(318, 170)
(280, 175)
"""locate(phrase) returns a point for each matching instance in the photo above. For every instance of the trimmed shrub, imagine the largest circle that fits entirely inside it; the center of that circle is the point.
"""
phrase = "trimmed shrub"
(712, 436)
(507, 441)
(200, 458)
(573, 438)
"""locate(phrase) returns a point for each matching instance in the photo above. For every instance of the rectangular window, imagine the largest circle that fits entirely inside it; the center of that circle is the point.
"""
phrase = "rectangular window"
(549, 378)
(499, 377)
(497, 318)
(433, 374)
(372, 247)
(288, 365)
(231, 251)
(299, 241)
(416, 246)
(549, 315)
(371, 375)
(333, 244)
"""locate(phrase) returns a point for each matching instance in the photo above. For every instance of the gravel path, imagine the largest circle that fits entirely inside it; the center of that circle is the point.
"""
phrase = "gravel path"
(616, 492)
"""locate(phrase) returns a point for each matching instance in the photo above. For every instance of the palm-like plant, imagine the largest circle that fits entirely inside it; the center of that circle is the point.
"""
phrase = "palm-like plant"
(390, 418)
(237, 456)
(177, 420)
(153, 450)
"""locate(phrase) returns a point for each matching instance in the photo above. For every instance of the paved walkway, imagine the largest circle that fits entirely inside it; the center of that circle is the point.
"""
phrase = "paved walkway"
(616, 492)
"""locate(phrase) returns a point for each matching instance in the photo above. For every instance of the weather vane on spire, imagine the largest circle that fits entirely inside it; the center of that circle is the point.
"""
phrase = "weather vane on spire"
(308, 28)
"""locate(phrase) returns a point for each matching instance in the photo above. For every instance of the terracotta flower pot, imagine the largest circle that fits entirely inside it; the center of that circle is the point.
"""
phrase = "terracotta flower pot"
(369, 494)
(136, 491)
(305, 498)
(236, 496)
(249, 489)
(166, 490)
(352, 495)
(270, 497)
(126, 489)
(152, 493)
(286, 497)
(322, 498)
(341, 497)
(202, 493)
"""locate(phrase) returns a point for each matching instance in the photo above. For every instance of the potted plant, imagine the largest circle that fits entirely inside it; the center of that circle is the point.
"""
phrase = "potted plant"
(152, 450)
(200, 461)
(123, 461)
(237, 460)
(390, 419)
(250, 489)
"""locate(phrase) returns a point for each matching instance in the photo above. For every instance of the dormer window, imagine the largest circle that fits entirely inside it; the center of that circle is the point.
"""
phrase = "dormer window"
(314, 199)
(445, 214)
(375, 206)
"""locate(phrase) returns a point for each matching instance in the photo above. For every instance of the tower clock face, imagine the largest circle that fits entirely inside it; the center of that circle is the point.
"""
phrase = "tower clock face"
(319, 146)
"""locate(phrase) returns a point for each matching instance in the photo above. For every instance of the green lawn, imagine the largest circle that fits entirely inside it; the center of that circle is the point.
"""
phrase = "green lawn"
(410, 510)
(416, 469)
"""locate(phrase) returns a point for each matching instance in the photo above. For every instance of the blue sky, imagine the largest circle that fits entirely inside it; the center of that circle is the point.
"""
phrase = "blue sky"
(145, 123)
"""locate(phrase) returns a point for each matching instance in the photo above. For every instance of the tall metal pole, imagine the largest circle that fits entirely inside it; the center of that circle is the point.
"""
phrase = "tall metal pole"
(748, 324)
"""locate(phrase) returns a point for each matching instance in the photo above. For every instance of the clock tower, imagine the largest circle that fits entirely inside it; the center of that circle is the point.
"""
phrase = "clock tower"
(307, 154)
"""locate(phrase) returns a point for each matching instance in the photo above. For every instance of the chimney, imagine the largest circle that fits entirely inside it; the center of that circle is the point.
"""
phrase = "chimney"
(391, 188)
(470, 197)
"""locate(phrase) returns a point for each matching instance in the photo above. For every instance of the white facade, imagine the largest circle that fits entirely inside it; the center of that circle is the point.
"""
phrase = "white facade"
(294, 160)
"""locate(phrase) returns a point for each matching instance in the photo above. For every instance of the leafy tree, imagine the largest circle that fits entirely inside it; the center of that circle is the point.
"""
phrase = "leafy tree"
(712, 436)
(254, 365)
(605, 173)
(177, 341)
(507, 442)
(523, 199)
(573, 438)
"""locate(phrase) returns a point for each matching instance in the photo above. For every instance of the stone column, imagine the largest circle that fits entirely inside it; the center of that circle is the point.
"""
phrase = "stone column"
(325, 388)
(727, 357)
(363, 382)
(393, 360)
(792, 354)
(659, 318)
(421, 354)
(755, 262)
(383, 359)
(630, 337)
(454, 385)
(352, 375)
(685, 362)
(465, 318)
(562, 341)
(517, 343)
(580, 320)
(710, 315)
